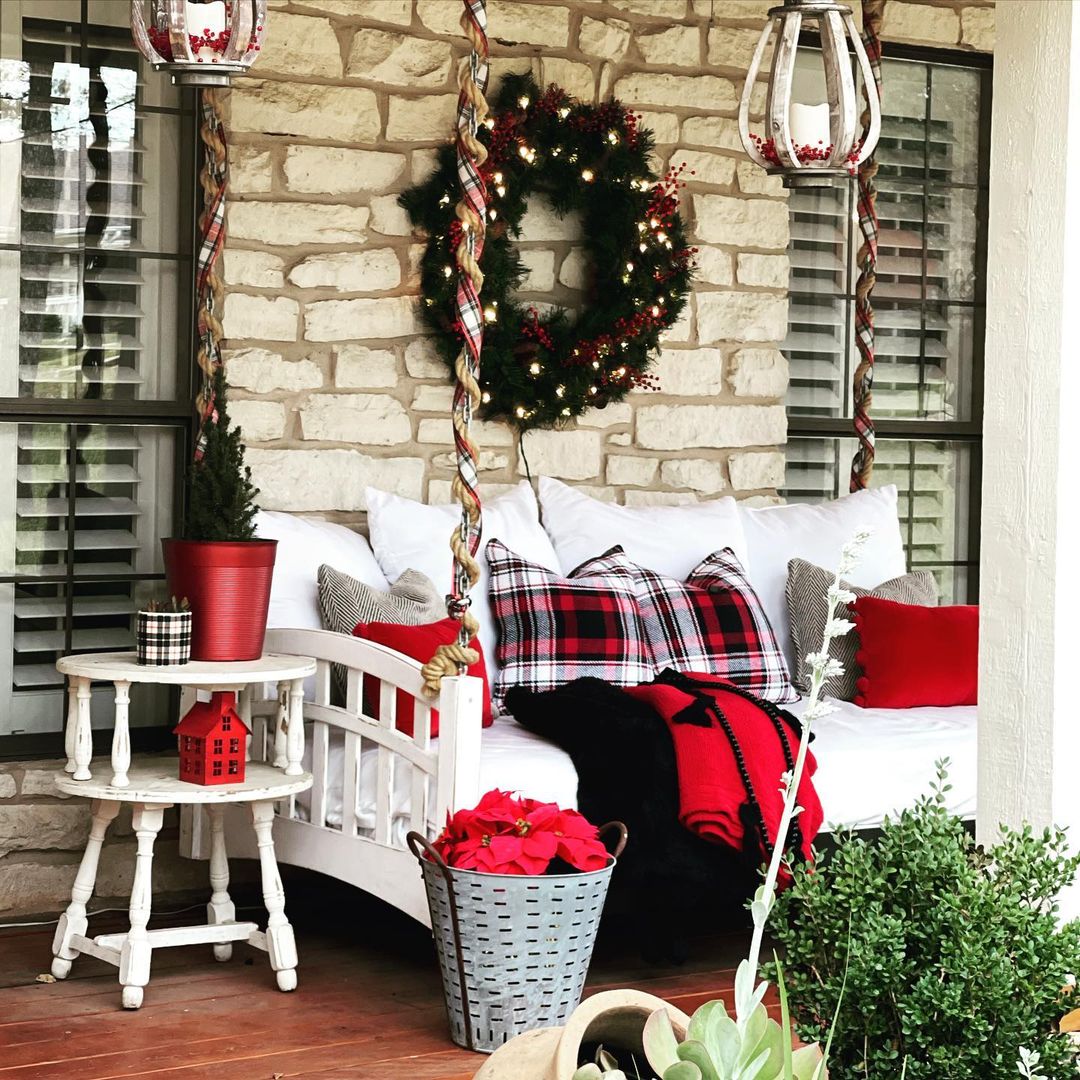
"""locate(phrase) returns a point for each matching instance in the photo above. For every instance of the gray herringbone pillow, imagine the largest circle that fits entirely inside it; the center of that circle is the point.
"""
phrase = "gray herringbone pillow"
(808, 608)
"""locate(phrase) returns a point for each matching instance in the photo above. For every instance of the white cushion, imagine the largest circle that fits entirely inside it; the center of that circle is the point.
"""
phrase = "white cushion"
(816, 532)
(409, 535)
(303, 546)
(671, 540)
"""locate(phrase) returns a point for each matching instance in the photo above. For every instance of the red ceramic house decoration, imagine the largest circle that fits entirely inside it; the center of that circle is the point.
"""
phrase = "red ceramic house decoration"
(212, 741)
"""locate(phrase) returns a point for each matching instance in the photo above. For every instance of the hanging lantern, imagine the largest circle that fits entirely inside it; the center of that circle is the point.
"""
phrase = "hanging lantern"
(199, 44)
(810, 143)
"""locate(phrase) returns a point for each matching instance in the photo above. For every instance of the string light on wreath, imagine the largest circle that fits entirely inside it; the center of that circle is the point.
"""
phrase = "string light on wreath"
(538, 369)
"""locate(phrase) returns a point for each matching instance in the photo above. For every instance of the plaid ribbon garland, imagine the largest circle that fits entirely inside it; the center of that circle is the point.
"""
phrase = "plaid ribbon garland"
(862, 463)
(212, 240)
(470, 316)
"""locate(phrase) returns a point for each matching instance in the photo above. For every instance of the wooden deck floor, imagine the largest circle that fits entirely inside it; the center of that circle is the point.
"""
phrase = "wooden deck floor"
(369, 1002)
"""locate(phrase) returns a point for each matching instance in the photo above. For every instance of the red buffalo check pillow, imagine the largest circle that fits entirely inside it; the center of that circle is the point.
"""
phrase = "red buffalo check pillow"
(713, 623)
(553, 630)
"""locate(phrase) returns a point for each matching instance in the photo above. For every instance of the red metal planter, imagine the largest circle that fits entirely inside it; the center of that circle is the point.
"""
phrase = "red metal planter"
(227, 584)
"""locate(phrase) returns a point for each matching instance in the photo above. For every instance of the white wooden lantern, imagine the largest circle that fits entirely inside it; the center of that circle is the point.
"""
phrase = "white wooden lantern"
(199, 44)
(811, 144)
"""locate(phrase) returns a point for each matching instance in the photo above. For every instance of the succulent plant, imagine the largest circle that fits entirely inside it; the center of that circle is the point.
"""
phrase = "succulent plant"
(605, 1067)
(172, 605)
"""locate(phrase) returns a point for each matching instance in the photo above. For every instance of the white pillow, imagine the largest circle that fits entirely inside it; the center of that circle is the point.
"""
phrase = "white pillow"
(409, 535)
(671, 540)
(303, 546)
(816, 532)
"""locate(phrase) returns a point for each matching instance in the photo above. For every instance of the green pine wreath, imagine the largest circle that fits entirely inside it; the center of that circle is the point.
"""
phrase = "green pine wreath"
(540, 369)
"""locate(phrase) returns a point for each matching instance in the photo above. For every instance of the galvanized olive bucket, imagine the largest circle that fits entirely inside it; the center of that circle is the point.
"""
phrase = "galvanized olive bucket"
(513, 950)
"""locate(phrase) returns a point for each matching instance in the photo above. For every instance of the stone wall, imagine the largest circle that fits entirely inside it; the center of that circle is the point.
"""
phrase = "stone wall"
(334, 383)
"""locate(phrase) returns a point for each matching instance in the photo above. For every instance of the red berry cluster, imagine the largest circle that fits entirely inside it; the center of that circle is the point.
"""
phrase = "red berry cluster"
(531, 327)
(206, 40)
(553, 99)
(805, 155)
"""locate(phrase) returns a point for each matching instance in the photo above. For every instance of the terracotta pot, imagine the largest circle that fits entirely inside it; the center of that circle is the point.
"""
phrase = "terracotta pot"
(227, 584)
(615, 1018)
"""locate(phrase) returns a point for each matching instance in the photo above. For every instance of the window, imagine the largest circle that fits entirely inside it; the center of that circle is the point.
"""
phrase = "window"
(234, 746)
(216, 769)
(234, 767)
(929, 304)
(95, 316)
(218, 745)
(226, 723)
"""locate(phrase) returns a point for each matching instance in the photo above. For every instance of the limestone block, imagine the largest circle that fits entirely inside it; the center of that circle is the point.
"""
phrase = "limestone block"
(699, 474)
(260, 421)
(708, 93)
(422, 361)
(735, 316)
(367, 419)
(485, 433)
(705, 168)
(390, 11)
(978, 28)
(766, 271)
(604, 39)
(301, 43)
(40, 826)
(714, 266)
(423, 164)
(264, 318)
(539, 270)
(678, 46)
(433, 398)
(540, 222)
(760, 373)
(388, 218)
(349, 271)
(294, 224)
(398, 59)
(422, 119)
(337, 169)
(361, 367)
(683, 329)
(714, 132)
(254, 269)
(661, 9)
(249, 169)
(664, 126)
(639, 497)
(343, 113)
(621, 438)
(489, 461)
(330, 479)
(756, 10)
(754, 501)
(624, 469)
(576, 79)
(346, 320)
(752, 472)
(439, 16)
(529, 23)
(690, 372)
(679, 427)
(574, 272)
(923, 24)
(758, 223)
(619, 412)
(8, 789)
(262, 371)
(732, 47)
(571, 455)
(754, 180)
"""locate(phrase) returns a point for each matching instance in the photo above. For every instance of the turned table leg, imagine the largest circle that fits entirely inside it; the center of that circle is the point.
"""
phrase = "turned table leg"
(83, 742)
(221, 909)
(146, 820)
(121, 743)
(72, 722)
(74, 920)
(280, 942)
(294, 735)
(281, 725)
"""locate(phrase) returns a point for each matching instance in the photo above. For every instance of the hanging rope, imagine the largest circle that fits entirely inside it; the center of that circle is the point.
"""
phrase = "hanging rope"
(214, 179)
(471, 208)
(862, 464)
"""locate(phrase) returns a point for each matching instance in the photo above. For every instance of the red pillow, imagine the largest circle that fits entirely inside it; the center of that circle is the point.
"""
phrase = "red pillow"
(912, 655)
(419, 643)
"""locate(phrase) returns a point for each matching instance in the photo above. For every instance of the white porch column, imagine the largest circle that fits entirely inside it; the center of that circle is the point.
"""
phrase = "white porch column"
(1029, 677)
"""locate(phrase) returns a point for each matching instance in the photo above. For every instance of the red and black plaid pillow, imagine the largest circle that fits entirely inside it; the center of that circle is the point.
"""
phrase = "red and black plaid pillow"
(713, 623)
(553, 630)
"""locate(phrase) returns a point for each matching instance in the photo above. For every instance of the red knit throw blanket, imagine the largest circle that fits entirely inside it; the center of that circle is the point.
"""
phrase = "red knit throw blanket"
(730, 752)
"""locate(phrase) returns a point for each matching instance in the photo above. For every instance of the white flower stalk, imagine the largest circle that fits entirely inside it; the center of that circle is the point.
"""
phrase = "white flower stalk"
(823, 666)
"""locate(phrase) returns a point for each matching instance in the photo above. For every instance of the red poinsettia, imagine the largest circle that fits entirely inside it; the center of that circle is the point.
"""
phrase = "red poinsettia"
(504, 834)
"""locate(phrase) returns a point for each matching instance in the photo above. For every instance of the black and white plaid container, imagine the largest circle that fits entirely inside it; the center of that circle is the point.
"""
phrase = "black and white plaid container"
(163, 637)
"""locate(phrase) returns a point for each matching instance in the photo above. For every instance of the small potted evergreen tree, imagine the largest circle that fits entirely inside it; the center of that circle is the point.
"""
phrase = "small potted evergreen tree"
(219, 565)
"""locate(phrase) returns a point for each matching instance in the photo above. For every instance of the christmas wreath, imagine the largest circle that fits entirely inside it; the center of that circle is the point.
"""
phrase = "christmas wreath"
(539, 368)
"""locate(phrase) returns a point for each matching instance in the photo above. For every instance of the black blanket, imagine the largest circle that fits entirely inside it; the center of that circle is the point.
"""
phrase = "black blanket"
(625, 763)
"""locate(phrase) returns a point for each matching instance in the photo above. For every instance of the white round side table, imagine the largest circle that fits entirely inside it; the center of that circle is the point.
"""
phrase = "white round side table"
(152, 786)
(122, 669)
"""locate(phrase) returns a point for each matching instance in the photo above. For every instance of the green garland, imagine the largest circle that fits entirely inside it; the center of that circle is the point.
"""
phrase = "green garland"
(540, 369)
